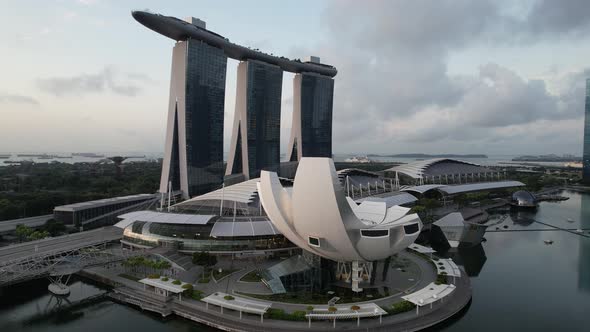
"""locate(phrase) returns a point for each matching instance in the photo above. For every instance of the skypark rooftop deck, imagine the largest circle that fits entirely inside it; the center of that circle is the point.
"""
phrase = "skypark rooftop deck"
(177, 29)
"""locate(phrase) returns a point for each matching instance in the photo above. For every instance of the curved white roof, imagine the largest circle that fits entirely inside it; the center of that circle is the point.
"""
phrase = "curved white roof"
(163, 218)
(424, 188)
(419, 169)
(243, 192)
(464, 188)
(396, 199)
(243, 228)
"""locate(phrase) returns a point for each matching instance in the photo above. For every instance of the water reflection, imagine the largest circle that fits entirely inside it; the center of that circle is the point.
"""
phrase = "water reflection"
(471, 258)
(584, 251)
(522, 217)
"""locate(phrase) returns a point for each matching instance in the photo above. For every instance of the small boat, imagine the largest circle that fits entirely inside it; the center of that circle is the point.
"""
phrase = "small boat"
(579, 230)
(548, 242)
(570, 220)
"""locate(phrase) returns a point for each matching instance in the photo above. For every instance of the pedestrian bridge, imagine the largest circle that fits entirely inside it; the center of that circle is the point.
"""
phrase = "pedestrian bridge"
(48, 256)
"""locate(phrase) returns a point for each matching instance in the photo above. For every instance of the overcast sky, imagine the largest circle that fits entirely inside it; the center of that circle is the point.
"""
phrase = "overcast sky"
(457, 76)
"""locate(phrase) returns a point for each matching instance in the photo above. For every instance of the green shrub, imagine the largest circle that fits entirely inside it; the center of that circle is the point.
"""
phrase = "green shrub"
(154, 276)
(196, 294)
(229, 298)
(177, 282)
(441, 279)
(332, 309)
(165, 279)
(400, 307)
(309, 308)
(298, 315)
(187, 286)
(203, 281)
(280, 314)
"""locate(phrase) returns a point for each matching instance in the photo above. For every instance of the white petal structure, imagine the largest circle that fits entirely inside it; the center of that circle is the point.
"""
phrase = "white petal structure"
(318, 217)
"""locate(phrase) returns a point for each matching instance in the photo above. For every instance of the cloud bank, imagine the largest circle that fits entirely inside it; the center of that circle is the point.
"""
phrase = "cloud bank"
(109, 79)
(394, 92)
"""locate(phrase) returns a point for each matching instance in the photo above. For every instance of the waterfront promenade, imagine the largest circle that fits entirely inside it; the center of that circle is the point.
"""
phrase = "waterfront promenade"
(131, 292)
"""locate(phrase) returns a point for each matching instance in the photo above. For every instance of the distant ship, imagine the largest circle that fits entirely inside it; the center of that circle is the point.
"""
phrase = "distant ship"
(87, 155)
(361, 160)
(31, 155)
(39, 156)
(5, 156)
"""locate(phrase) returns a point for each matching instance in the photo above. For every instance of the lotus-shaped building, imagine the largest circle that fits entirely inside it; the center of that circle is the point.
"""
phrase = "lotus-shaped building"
(316, 215)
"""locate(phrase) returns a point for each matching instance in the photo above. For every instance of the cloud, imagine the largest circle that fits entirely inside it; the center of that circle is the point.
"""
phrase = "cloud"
(108, 79)
(18, 99)
(394, 90)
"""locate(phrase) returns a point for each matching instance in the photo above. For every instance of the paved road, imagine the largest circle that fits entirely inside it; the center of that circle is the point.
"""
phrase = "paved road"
(9, 226)
(56, 245)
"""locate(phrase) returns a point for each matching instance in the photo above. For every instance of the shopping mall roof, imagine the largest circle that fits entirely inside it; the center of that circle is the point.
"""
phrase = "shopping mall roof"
(243, 192)
(164, 218)
(464, 188)
(242, 227)
(102, 202)
(437, 167)
(424, 188)
(393, 199)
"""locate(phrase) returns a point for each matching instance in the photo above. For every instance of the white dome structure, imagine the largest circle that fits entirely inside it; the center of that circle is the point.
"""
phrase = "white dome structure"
(318, 217)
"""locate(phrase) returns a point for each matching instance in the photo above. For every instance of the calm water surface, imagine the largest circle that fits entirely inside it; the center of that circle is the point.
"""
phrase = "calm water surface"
(519, 284)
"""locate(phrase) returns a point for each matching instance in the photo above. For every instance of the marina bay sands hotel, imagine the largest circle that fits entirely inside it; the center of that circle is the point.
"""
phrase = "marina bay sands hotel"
(193, 158)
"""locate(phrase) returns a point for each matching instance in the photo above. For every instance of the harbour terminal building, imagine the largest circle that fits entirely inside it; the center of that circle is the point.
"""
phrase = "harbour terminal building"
(193, 159)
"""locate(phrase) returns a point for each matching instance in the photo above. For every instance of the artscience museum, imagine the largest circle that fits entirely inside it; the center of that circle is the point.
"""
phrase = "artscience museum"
(316, 215)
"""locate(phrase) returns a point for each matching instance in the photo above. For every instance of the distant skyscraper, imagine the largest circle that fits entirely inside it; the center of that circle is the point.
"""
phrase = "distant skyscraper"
(193, 156)
(586, 154)
(311, 130)
(255, 142)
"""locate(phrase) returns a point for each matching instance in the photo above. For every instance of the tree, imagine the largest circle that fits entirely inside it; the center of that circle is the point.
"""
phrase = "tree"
(38, 235)
(204, 259)
(54, 227)
(23, 232)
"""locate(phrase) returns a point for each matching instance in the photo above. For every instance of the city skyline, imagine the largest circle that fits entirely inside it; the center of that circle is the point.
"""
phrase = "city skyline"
(465, 87)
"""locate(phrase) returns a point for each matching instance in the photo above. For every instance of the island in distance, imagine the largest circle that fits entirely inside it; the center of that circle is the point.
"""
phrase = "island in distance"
(426, 156)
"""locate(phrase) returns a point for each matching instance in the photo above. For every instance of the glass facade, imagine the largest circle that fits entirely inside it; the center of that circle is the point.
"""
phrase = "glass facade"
(265, 83)
(586, 154)
(205, 97)
(317, 94)
(197, 238)
(174, 176)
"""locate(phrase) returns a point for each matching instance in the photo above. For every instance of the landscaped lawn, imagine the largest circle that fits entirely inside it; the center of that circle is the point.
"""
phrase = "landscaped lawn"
(252, 276)
(218, 275)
